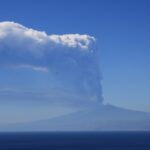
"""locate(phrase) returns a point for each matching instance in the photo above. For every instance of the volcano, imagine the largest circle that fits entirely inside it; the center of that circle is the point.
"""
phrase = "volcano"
(97, 118)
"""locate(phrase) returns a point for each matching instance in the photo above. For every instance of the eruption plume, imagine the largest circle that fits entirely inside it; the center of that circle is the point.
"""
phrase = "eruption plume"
(70, 58)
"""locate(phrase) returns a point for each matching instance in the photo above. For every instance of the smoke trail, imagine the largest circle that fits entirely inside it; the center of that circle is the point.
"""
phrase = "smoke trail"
(71, 58)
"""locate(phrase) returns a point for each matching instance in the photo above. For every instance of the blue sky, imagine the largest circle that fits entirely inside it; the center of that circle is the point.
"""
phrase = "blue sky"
(122, 32)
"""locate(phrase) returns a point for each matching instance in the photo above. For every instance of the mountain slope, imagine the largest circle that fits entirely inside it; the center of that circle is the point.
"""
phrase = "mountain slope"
(99, 118)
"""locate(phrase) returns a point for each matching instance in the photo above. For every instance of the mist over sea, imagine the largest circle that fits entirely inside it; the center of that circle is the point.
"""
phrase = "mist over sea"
(75, 141)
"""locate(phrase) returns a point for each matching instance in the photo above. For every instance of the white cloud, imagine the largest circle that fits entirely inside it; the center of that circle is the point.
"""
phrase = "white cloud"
(16, 35)
(73, 40)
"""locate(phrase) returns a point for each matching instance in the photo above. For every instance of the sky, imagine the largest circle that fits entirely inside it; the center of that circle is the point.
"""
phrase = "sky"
(122, 33)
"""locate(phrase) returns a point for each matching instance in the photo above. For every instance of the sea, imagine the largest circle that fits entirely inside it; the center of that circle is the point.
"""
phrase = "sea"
(75, 141)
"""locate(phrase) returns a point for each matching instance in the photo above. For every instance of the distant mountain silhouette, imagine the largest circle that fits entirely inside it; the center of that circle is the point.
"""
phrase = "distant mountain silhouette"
(98, 118)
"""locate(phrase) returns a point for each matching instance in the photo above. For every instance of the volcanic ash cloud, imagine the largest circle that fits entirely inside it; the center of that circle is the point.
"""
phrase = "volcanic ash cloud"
(70, 58)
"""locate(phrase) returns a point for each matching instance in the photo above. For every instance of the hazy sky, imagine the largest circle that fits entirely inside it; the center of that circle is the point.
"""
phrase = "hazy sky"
(122, 32)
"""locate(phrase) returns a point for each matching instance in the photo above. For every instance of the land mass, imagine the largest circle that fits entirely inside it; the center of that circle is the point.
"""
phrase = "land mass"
(98, 118)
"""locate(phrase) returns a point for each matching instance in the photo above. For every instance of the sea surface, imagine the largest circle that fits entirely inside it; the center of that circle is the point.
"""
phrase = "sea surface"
(75, 141)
